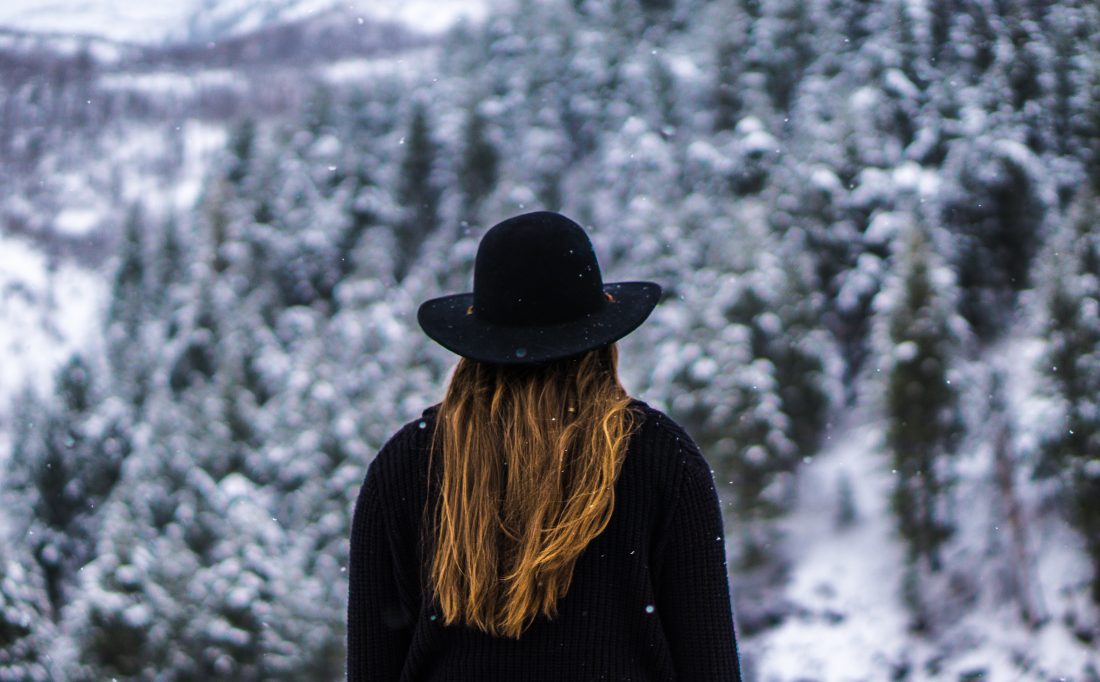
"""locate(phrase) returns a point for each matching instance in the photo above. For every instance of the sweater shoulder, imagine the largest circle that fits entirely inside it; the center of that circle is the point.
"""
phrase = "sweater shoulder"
(669, 445)
(412, 438)
(658, 427)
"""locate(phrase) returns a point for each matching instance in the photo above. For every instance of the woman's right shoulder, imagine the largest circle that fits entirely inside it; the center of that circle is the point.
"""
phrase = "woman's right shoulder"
(667, 451)
(655, 419)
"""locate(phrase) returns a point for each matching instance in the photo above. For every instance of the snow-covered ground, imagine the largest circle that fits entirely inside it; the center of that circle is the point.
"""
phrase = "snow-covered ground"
(849, 622)
(844, 586)
(359, 70)
(46, 312)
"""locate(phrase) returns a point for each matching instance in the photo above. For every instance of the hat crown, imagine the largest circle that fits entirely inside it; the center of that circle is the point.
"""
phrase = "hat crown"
(536, 268)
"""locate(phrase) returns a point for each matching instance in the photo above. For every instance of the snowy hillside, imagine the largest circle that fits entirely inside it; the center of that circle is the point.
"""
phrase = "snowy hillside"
(48, 311)
(876, 229)
(71, 174)
(848, 618)
(200, 21)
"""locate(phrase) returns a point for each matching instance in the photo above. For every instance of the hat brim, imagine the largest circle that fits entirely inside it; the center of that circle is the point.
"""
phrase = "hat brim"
(445, 320)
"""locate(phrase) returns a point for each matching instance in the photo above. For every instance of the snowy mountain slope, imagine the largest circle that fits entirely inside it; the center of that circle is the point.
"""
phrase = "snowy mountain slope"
(841, 613)
(47, 310)
(196, 21)
(849, 619)
(60, 220)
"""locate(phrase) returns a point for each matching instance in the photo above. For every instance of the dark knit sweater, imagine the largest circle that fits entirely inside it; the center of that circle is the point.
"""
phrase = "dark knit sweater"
(649, 599)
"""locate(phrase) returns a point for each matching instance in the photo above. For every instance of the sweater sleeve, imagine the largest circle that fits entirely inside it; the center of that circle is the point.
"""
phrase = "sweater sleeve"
(693, 595)
(379, 631)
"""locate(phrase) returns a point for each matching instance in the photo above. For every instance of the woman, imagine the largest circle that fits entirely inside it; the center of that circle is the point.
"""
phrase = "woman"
(539, 523)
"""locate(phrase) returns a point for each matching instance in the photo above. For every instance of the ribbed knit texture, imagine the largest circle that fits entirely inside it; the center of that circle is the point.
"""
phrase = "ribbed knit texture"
(649, 600)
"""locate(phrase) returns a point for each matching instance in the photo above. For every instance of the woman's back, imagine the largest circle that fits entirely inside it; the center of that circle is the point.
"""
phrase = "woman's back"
(649, 598)
(539, 523)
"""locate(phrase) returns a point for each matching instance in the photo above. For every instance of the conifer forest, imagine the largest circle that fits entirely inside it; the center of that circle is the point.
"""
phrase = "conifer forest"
(877, 227)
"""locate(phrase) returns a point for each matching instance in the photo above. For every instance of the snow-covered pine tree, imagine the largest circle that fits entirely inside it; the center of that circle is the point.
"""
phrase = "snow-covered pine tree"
(1023, 66)
(192, 358)
(750, 377)
(129, 307)
(919, 339)
(479, 166)
(130, 285)
(66, 459)
(25, 626)
(238, 163)
(196, 581)
(417, 190)
(727, 400)
(319, 110)
(360, 206)
(781, 49)
(125, 621)
(726, 98)
(995, 205)
(1071, 367)
(1089, 125)
(804, 355)
(168, 266)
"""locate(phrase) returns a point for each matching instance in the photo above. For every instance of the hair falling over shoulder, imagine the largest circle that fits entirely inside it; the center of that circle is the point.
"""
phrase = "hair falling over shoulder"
(530, 455)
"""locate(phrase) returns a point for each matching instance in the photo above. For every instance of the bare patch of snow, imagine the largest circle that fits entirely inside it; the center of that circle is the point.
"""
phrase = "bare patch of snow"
(47, 312)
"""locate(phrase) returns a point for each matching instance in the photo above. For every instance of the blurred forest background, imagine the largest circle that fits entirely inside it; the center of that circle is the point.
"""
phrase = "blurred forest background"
(876, 224)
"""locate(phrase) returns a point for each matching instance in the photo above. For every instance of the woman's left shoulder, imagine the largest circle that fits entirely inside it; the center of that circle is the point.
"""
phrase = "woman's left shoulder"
(412, 437)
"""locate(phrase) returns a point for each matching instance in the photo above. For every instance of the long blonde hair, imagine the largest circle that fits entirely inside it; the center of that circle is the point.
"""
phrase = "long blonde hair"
(530, 456)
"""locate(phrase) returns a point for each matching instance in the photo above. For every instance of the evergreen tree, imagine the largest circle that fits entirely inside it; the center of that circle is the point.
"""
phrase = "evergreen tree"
(846, 511)
(319, 111)
(417, 191)
(853, 17)
(1071, 452)
(479, 165)
(169, 265)
(913, 61)
(726, 94)
(980, 30)
(1025, 66)
(994, 205)
(213, 210)
(941, 14)
(1089, 127)
(242, 141)
(920, 339)
(755, 391)
(197, 578)
(362, 214)
(141, 288)
(67, 458)
(129, 289)
(665, 93)
(802, 352)
(781, 48)
(25, 629)
(194, 358)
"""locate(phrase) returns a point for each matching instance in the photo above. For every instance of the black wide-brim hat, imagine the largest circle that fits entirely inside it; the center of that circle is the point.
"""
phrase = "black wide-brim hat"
(538, 296)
